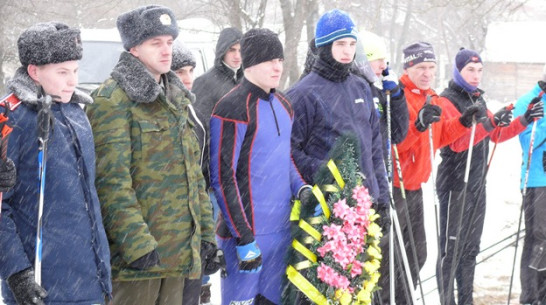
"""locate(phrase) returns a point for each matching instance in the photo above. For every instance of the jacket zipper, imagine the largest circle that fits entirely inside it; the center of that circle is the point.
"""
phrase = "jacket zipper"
(275, 116)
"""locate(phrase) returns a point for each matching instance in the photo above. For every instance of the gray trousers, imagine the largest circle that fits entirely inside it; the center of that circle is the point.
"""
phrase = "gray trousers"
(167, 291)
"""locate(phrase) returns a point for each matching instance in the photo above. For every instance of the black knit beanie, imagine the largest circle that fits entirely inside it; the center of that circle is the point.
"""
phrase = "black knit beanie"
(260, 45)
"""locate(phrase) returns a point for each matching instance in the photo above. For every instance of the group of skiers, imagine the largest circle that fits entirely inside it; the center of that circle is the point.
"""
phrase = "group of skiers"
(136, 179)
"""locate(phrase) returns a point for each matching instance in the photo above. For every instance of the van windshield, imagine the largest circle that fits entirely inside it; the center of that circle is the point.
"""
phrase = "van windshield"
(99, 58)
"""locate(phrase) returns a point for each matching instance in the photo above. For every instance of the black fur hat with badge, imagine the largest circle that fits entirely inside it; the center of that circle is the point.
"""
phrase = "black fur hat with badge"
(146, 22)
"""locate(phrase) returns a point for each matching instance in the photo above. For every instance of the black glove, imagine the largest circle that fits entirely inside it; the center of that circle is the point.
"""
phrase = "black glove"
(25, 290)
(535, 110)
(208, 251)
(216, 262)
(146, 261)
(542, 85)
(427, 115)
(475, 112)
(501, 118)
(8, 175)
(384, 220)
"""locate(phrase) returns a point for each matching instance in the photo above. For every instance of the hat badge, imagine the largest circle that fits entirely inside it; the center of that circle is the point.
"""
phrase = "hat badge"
(165, 19)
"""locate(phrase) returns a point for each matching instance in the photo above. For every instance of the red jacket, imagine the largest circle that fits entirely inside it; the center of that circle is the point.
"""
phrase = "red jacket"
(414, 151)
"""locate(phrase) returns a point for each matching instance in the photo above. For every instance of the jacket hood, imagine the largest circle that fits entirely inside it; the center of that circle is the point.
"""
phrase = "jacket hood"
(139, 84)
(227, 38)
(28, 91)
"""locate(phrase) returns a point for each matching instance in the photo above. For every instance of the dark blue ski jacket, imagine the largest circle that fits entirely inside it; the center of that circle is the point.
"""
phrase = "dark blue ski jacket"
(76, 258)
(251, 169)
(325, 110)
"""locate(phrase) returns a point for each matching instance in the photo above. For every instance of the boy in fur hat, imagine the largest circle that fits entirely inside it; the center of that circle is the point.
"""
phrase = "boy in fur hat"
(155, 206)
(75, 258)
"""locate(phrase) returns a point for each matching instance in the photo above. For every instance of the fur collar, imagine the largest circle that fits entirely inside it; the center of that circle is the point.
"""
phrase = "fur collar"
(27, 91)
(139, 85)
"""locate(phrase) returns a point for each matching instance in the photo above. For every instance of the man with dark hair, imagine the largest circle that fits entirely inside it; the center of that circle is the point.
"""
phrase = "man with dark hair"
(155, 206)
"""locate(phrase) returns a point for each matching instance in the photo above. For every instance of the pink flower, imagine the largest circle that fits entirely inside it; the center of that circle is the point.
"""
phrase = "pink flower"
(341, 282)
(356, 268)
(341, 208)
(333, 232)
(351, 216)
(326, 274)
(361, 195)
(327, 247)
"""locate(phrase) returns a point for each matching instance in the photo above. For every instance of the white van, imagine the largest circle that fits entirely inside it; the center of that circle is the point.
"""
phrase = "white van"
(102, 47)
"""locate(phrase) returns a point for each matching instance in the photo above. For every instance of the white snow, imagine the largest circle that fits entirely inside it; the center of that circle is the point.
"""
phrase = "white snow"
(516, 41)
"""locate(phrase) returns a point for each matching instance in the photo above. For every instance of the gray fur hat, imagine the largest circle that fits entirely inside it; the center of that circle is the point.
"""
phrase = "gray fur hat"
(49, 43)
(182, 56)
(146, 22)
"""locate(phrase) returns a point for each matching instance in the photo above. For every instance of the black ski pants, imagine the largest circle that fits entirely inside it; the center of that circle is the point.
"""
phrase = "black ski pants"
(414, 206)
(533, 283)
(462, 268)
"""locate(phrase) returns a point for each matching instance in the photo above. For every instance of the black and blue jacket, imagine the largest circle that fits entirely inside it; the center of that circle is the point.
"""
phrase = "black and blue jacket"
(251, 169)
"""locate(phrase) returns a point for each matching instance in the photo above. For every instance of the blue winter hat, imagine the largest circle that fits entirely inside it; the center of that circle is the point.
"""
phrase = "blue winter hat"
(334, 25)
(466, 56)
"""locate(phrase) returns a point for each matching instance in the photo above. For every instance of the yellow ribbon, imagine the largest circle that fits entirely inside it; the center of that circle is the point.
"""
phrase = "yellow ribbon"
(296, 210)
(304, 251)
(303, 265)
(335, 172)
(320, 197)
(310, 230)
(304, 286)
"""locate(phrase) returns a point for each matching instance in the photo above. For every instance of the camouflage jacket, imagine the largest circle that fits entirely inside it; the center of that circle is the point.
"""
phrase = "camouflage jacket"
(149, 182)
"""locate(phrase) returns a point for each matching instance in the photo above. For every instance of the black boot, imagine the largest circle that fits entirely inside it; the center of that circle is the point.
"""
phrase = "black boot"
(205, 294)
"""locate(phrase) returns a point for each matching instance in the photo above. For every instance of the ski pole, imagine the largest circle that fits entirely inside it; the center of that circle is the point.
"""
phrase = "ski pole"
(44, 124)
(434, 194)
(482, 186)
(410, 232)
(524, 193)
(454, 259)
(392, 209)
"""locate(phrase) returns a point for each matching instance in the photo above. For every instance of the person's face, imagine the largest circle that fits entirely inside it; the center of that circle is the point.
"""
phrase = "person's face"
(186, 76)
(266, 75)
(472, 73)
(233, 56)
(58, 79)
(156, 54)
(422, 74)
(343, 50)
(378, 65)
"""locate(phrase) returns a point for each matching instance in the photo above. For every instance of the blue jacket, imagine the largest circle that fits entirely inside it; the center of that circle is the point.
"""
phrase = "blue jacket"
(324, 110)
(251, 168)
(75, 254)
(537, 175)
